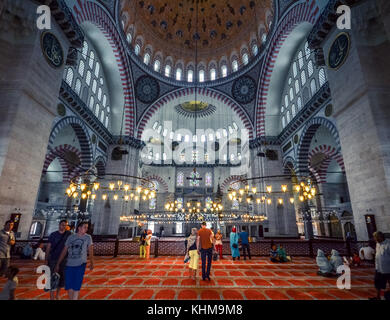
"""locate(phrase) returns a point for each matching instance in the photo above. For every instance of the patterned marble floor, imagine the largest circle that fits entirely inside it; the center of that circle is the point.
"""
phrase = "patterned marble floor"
(128, 277)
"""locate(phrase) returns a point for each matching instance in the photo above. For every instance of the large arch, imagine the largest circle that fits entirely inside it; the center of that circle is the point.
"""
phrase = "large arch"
(160, 180)
(82, 134)
(303, 11)
(228, 181)
(307, 135)
(87, 11)
(201, 92)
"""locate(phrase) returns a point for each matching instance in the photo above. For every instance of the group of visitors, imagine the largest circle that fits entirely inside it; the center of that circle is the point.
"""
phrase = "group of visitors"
(38, 253)
(279, 254)
(66, 255)
(144, 244)
(328, 265)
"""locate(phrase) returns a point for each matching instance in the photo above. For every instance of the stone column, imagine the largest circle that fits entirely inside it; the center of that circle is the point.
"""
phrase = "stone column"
(361, 94)
(29, 89)
(106, 214)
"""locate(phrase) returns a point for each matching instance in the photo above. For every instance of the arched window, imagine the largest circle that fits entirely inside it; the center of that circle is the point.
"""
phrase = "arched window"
(297, 88)
(201, 75)
(283, 122)
(102, 117)
(94, 86)
(85, 49)
(155, 125)
(310, 68)
(106, 122)
(97, 110)
(245, 58)
(146, 58)
(69, 76)
(104, 100)
(128, 38)
(91, 102)
(97, 69)
(152, 204)
(156, 65)
(180, 179)
(91, 59)
(235, 125)
(322, 77)
(213, 74)
(178, 74)
(100, 94)
(286, 100)
(288, 116)
(300, 59)
(307, 50)
(137, 49)
(255, 49)
(303, 78)
(299, 103)
(289, 81)
(190, 75)
(78, 86)
(263, 37)
(81, 68)
(224, 71)
(167, 70)
(313, 87)
(195, 178)
(208, 179)
(101, 81)
(291, 94)
(88, 78)
(295, 69)
(234, 65)
(293, 110)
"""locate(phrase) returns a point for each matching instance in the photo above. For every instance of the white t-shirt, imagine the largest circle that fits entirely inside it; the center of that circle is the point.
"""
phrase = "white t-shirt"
(367, 253)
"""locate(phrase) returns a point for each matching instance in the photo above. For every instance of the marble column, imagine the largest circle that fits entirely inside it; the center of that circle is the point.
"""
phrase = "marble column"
(29, 89)
(361, 94)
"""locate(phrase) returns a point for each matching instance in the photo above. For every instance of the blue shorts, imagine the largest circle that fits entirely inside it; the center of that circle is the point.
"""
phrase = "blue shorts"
(74, 277)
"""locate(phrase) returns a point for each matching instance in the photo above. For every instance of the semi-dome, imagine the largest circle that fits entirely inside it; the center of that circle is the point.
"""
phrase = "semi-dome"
(163, 34)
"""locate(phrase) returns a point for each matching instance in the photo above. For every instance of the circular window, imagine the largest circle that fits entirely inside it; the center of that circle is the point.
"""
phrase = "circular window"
(328, 110)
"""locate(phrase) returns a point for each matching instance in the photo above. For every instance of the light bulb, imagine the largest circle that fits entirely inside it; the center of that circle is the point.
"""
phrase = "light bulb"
(254, 189)
(83, 186)
(112, 186)
(93, 196)
(104, 197)
(96, 185)
(291, 200)
(284, 188)
(83, 196)
(115, 197)
(269, 201)
(119, 183)
(280, 200)
(269, 189)
(126, 187)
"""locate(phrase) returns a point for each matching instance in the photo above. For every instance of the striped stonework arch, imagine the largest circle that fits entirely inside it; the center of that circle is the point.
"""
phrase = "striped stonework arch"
(331, 154)
(307, 135)
(82, 134)
(100, 165)
(68, 171)
(288, 164)
(160, 181)
(305, 11)
(205, 92)
(228, 181)
(87, 11)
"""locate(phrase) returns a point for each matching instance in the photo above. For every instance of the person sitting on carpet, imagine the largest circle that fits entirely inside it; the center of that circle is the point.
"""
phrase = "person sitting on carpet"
(282, 254)
(27, 252)
(325, 268)
(336, 260)
(274, 257)
(192, 253)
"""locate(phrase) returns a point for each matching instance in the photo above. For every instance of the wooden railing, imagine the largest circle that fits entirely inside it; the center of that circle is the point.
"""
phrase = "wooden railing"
(161, 247)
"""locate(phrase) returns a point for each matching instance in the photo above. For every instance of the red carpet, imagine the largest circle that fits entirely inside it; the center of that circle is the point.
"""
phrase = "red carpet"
(128, 277)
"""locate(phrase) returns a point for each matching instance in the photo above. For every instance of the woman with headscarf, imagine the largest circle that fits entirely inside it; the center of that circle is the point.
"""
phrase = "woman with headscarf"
(192, 253)
(336, 260)
(234, 244)
(325, 268)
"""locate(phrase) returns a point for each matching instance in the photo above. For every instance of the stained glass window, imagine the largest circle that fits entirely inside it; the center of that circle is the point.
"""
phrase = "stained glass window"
(194, 181)
(208, 179)
(180, 179)
(152, 204)
(235, 204)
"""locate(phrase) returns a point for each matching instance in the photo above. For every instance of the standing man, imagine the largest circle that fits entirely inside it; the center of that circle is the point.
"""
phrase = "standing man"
(382, 263)
(7, 239)
(205, 246)
(245, 242)
(55, 246)
(142, 244)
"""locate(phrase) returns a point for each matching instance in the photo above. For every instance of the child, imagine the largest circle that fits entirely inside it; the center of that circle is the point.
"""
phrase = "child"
(147, 243)
(356, 260)
(8, 292)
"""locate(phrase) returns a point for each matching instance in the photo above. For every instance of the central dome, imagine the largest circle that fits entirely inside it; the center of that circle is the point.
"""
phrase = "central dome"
(169, 31)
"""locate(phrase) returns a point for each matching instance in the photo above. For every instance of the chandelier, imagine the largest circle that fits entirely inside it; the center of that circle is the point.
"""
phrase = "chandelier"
(304, 190)
(110, 186)
(194, 206)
